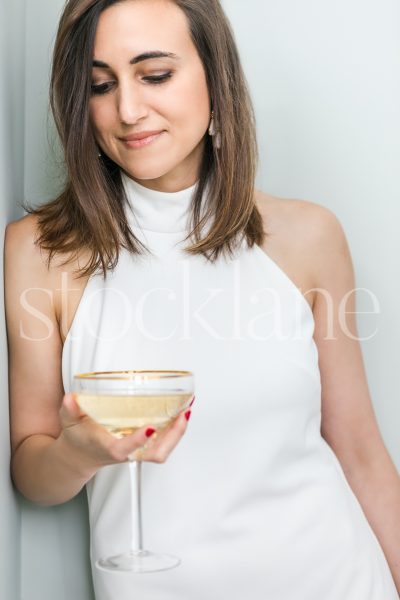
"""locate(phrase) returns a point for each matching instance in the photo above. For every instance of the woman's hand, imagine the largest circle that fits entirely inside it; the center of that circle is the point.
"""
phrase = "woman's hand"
(96, 447)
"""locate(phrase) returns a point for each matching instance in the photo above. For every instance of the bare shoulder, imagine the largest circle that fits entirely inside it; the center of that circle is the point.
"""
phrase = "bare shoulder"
(28, 271)
(23, 257)
(23, 231)
(22, 249)
(312, 221)
(302, 237)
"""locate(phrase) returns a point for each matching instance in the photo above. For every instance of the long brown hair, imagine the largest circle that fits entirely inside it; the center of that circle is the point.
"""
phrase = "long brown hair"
(90, 213)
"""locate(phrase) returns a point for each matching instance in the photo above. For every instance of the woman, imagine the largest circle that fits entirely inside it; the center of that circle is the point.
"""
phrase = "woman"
(160, 254)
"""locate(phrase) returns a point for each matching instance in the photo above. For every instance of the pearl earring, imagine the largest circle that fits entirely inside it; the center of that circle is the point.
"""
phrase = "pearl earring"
(214, 133)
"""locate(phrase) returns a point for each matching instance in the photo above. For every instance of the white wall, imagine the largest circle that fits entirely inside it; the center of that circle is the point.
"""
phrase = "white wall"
(325, 78)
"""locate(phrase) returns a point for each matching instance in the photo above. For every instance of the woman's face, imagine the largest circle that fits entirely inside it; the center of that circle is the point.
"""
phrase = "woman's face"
(165, 95)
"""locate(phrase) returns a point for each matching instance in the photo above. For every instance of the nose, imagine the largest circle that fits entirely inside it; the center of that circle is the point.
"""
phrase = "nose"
(131, 107)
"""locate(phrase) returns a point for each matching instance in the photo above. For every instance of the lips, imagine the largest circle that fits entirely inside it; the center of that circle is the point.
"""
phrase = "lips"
(141, 139)
(140, 136)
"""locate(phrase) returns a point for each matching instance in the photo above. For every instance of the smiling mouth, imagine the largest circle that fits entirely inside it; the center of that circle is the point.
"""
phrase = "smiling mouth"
(142, 142)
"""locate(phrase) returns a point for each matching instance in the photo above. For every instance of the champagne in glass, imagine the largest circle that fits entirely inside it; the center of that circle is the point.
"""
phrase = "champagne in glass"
(122, 402)
(123, 415)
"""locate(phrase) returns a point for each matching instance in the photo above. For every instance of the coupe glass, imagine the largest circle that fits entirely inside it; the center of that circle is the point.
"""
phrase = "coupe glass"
(122, 402)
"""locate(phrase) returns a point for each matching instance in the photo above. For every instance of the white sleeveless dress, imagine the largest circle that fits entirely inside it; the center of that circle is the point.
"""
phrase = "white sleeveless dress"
(253, 500)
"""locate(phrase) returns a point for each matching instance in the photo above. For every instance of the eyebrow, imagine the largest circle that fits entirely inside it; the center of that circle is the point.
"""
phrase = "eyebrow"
(136, 59)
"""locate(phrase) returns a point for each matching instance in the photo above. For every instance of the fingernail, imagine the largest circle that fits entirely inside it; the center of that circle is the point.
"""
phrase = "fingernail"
(194, 398)
(187, 415)
(149, 431)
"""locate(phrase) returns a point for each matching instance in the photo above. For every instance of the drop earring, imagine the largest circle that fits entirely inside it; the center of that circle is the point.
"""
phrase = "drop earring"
(211, 129)
(214, 132)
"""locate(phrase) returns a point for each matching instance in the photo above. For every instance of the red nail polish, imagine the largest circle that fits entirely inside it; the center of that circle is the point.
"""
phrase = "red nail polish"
(149, 431)
(194, 398)
(187, 415)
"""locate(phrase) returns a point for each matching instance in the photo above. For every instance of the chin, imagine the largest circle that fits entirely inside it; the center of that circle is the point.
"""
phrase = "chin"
(147, 172)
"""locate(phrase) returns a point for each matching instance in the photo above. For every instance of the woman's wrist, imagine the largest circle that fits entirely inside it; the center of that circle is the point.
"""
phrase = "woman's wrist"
(75, 460)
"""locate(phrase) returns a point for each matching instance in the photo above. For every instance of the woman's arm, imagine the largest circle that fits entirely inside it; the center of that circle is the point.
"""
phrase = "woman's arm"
(40, 469)
(349, 424)
(55, 447)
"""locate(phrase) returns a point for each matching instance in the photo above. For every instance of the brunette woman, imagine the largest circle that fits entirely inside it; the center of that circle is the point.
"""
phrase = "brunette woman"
(160, 254)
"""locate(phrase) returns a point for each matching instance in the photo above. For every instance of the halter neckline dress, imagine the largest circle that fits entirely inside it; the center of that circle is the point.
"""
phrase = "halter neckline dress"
(253, 500)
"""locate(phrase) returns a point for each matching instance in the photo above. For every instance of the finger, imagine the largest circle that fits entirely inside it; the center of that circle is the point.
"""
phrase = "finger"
(160, 448)
(70, 410)
(126, 447)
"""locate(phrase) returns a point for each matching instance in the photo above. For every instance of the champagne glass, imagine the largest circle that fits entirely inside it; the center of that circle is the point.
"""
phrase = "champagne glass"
(122, 402)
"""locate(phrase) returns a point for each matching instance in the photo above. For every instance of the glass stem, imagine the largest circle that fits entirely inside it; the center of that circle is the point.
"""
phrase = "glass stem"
(135, 467)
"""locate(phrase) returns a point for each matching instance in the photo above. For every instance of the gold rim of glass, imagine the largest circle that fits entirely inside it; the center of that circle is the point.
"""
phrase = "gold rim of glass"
(129, 375)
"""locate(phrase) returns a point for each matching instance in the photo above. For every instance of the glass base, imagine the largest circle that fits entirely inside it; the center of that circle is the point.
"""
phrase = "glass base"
(141, 561)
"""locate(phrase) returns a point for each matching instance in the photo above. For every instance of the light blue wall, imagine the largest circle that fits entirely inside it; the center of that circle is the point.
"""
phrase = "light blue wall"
(11, 172)
(43, 552)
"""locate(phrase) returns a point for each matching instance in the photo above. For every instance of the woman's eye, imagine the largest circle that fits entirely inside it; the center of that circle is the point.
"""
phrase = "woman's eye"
(101, 88)
(158, 78)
